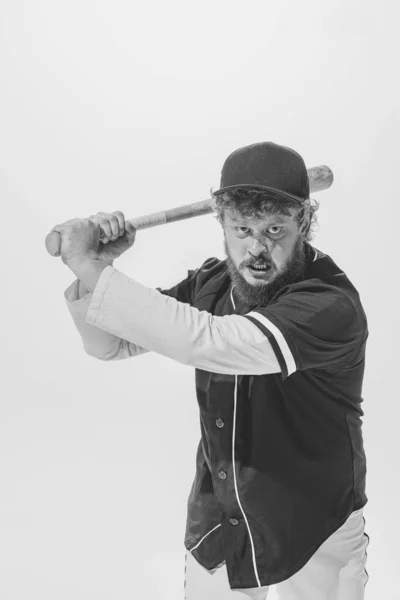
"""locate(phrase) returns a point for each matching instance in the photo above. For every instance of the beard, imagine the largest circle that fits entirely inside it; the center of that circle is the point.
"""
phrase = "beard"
(252, 295)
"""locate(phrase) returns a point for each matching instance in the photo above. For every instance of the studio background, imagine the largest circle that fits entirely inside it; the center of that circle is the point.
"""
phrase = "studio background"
(134, 107)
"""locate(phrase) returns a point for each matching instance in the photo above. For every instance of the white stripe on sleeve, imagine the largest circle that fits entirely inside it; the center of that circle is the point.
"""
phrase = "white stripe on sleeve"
(283, 345)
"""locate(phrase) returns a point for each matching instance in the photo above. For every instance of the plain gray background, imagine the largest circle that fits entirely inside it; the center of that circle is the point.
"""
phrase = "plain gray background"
(134, 107)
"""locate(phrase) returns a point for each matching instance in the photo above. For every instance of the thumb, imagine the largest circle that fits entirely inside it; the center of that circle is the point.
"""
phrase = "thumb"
(130, 232)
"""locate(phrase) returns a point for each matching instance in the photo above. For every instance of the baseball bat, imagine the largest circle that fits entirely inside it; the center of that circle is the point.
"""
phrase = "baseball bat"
(320, 178)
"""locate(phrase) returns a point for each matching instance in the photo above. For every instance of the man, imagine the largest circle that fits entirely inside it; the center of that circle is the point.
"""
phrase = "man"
(277, 335)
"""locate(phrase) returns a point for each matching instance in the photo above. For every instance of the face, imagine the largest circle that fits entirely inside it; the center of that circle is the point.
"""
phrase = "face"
(272, 243)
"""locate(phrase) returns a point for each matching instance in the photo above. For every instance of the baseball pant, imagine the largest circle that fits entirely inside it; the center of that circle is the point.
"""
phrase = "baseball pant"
(336, 571)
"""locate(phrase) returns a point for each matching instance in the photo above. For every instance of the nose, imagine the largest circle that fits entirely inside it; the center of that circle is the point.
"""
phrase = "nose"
(256, 248)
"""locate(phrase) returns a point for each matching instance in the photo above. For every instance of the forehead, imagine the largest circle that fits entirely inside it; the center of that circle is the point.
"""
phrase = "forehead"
(267, 219)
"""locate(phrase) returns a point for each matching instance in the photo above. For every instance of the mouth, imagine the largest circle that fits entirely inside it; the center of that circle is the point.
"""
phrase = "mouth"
(258, 269)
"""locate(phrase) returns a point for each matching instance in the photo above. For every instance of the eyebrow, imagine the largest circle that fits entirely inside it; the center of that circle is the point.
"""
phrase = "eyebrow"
(278, 220)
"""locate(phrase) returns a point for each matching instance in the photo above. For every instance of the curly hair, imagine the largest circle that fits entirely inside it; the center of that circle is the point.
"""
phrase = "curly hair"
(256, 203)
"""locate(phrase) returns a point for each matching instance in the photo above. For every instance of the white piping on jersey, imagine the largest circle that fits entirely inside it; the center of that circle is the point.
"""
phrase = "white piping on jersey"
(316, 255)
(235, 479)
(204, 537)
(282, 343)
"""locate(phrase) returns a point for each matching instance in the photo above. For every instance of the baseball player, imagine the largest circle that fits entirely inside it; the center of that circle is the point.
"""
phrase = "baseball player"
(277, 335)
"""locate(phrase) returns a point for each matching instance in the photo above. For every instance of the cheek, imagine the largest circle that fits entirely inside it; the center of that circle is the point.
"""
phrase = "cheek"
(282, 253)
(239, 250)
(278, 254)
(234, 245)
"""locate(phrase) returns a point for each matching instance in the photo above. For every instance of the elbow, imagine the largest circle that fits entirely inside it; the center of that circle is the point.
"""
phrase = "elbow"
(93, 354)
(119, 350)
(110, 354)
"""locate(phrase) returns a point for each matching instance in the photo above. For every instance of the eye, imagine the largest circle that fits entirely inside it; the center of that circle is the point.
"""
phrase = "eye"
(275, 232)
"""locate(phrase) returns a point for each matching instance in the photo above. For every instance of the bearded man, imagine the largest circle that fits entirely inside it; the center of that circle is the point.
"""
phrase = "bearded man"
(277, 335)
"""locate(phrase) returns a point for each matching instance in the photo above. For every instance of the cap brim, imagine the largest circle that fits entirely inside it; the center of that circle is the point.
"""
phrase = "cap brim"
(247, 186)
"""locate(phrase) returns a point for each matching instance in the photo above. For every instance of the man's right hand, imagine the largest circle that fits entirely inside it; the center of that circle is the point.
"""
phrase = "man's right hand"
(117, 235)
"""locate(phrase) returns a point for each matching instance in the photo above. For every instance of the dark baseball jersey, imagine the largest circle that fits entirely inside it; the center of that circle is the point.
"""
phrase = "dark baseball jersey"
(280, 464)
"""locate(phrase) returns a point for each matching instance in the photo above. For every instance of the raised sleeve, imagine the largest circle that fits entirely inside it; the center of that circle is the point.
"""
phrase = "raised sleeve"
(227, 344)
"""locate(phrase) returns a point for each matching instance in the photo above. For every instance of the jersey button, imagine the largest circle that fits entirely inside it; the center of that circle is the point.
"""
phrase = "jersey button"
(222, 475)
(234, 522)
(220, 423)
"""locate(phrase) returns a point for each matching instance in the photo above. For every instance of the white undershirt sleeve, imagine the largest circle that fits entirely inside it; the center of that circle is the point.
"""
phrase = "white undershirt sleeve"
(230, 344)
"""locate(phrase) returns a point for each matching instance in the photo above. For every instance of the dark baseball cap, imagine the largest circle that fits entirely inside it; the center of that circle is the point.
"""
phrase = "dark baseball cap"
(266, 166)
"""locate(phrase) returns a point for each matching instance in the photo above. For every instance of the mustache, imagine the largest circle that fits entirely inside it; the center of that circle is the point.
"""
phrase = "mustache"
(257, 262)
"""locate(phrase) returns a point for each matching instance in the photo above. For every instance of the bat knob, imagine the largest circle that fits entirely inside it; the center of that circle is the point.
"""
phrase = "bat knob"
(53, 243)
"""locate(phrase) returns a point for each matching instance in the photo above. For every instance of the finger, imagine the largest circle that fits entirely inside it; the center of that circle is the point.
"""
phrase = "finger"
(121, 221)
(105, 226)
(110, 225)
(98, 219)
(115, 227)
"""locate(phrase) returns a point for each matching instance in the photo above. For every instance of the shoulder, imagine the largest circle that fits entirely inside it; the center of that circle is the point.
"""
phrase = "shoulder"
(208, 268)
(210, 276)
(326, 302)
(316, 297)
(331, 285)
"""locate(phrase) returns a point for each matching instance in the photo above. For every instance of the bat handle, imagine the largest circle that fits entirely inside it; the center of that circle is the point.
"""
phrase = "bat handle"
(53, 243)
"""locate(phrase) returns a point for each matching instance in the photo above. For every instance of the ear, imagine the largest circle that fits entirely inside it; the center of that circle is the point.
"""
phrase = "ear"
(305, 220)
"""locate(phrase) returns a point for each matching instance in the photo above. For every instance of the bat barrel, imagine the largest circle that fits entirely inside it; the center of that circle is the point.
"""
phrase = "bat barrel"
(320, 178)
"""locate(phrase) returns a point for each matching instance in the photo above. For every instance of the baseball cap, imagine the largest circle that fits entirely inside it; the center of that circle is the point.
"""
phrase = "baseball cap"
(266, 166)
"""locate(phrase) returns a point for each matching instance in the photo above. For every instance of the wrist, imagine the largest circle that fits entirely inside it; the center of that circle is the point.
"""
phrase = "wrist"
(88, 270)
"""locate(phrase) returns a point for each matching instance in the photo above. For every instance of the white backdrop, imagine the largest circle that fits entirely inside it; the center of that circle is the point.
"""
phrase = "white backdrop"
(134, 107)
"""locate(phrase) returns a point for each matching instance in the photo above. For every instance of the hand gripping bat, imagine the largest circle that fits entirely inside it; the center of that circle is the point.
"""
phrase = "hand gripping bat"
(320, 178)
